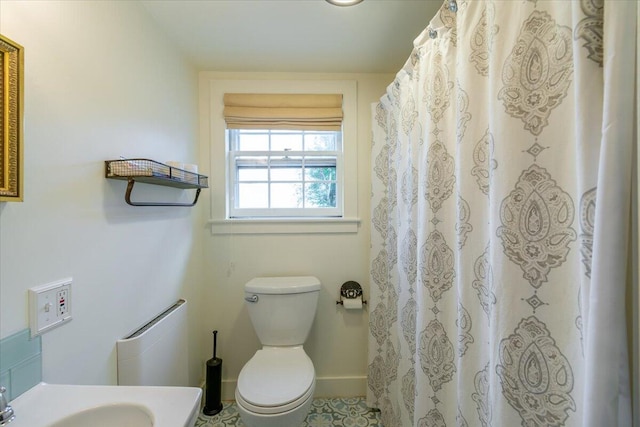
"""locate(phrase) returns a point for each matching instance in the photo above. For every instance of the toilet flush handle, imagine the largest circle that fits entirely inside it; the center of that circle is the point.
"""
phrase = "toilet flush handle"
(252, 298)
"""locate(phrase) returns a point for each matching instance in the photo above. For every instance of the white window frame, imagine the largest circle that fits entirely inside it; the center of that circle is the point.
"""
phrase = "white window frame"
(271, 212)
(221, 221)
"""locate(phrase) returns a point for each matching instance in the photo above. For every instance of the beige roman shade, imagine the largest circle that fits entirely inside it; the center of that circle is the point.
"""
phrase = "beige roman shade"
(283, 111)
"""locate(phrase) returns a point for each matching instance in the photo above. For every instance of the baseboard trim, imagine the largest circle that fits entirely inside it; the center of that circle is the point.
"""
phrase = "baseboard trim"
(325, 387)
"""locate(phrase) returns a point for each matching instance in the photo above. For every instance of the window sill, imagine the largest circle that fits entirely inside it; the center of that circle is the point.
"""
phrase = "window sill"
(284, 226)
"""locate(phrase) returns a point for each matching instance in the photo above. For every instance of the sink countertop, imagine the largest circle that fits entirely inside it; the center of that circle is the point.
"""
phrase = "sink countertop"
(45, 403)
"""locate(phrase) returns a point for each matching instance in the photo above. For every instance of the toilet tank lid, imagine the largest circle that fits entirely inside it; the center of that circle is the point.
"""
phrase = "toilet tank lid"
(283, 285)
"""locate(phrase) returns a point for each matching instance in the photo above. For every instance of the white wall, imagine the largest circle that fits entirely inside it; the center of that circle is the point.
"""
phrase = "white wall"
(338, 341)
(100, 81)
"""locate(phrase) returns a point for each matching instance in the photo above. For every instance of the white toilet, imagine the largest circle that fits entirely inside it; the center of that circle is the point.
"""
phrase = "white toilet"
(275, 387)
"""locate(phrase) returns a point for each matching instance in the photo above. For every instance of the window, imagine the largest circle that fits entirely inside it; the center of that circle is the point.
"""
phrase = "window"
(284, 173)
(284, 155)
(218, 133)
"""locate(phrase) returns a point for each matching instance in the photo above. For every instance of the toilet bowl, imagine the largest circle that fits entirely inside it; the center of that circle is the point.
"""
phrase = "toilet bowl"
(275, 387)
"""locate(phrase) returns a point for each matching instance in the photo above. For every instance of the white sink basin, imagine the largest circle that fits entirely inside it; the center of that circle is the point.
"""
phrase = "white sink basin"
(121, 414)
(53, 405)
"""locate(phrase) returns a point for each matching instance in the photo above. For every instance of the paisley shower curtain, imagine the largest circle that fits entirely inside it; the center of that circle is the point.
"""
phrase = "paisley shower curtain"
(501, 189)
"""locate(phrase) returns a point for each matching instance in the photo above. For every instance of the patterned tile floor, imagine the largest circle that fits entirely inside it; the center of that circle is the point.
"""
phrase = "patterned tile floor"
(345, 412)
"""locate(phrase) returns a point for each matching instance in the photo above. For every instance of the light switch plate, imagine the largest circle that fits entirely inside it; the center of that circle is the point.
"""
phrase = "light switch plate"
(49, 306)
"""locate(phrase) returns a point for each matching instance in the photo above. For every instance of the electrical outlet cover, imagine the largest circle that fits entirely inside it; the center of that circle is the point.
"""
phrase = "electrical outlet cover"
(49, 306)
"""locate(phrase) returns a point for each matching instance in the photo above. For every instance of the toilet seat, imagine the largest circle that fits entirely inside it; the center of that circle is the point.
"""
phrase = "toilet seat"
(276, 380)
(275, 410)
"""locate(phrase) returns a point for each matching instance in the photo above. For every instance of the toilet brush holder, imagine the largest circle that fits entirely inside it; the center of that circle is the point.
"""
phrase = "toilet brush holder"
(213, 403)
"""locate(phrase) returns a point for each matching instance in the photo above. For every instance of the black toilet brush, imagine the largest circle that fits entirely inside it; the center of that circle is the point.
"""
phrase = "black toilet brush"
(213, 404)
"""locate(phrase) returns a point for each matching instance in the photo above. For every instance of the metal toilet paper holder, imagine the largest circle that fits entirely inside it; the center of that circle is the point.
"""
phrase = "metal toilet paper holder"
(350, 290)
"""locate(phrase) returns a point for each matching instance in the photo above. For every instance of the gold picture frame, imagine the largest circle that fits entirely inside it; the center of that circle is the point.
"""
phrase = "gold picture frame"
(11, 108)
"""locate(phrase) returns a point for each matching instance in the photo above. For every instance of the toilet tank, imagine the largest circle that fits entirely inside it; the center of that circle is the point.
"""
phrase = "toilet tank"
(282, 309)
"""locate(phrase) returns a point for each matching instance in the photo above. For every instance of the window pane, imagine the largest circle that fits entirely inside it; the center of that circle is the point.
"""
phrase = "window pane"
(286, 168)
(320, 141)
(320, 195)
(327, 173)
(282, 142)
(253, 196)
(286, 174)
(253, 174)
(286, 195)
(253, 142)
(252, 168)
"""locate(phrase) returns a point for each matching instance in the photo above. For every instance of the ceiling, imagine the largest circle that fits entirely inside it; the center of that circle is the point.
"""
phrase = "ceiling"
(375, 36)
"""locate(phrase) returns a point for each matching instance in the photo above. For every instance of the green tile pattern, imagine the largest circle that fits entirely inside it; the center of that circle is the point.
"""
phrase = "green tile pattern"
(20, 363)
(343, 412)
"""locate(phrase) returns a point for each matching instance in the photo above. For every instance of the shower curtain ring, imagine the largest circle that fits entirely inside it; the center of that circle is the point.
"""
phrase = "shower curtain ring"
(433, 33)
(453, 6)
